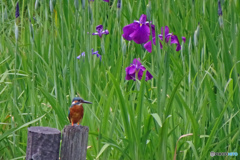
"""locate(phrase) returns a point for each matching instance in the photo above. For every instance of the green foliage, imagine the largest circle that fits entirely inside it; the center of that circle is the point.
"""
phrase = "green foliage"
(194, 91)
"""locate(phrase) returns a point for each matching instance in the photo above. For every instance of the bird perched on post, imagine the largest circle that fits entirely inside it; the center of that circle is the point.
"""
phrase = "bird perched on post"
(76, 110)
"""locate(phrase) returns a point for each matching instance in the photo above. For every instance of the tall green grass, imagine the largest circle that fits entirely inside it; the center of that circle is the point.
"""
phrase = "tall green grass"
(192, 103)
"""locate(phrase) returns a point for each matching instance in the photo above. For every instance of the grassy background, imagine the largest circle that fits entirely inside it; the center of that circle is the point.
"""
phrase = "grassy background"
(194, 92)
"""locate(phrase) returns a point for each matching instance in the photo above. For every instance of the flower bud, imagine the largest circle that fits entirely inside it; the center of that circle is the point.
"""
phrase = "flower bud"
(31, 31)
(149, 10)
(5, 15)
(76, 4)
(83, 4)
(119, 4)
(17, 11)
(196, 35)
(123, 44)
(51, 6)
(220, 20)
(190, 45)
(16, 31)
(219, 8)
(36, 4)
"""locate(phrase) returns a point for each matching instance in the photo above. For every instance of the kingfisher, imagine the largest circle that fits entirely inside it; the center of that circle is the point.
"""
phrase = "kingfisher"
(75, 113)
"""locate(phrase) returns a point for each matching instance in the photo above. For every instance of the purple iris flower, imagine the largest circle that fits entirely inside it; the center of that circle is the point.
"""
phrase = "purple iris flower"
(168, 36)
(138, 31)
(106, 0)
(98, 55)
(17, 10)
(81, 55)
(136, 69)
(100, 31)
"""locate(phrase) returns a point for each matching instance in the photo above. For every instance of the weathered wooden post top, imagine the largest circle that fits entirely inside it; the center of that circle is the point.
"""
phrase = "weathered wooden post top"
(74, 142)
(43, 143)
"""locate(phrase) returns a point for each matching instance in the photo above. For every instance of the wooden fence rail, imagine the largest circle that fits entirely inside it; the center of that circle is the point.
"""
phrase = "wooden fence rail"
(44, 142)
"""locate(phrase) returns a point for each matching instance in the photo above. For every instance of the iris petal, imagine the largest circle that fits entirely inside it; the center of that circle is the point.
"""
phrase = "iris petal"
(140, 73)
(128, 77)
(166, 30)
(148, 76)
(153, 29)
(95, 33)
(184, 39)
(105, 32)
(132, 69)
(161, 45)
(141, 35)
(99, 28)
(178, 47)
(148, 46)
(160, 36)
(142, 68)
(137, 62)
(168, 36)
(128, 29)
(174, 39)
(143, 19)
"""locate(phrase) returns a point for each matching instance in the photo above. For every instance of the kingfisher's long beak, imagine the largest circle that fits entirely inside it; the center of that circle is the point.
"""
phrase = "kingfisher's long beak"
(87, 102)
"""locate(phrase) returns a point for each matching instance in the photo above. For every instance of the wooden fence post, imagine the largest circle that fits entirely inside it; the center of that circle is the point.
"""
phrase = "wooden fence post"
(74, 142)
(43, 143)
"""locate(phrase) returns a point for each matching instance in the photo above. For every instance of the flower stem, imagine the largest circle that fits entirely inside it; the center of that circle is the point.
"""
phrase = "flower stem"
(164, 130)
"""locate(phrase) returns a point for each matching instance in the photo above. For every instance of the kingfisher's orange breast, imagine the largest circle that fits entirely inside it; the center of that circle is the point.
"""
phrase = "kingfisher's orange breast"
(76, 113)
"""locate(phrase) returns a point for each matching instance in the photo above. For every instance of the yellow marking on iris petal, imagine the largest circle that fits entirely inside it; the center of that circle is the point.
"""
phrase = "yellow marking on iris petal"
(140, 24)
